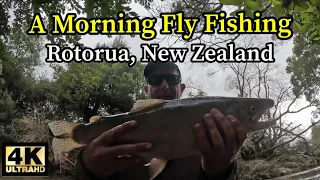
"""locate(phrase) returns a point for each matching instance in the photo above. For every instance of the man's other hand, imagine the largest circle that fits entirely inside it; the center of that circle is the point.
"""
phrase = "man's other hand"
(102, 159)
(227, 136)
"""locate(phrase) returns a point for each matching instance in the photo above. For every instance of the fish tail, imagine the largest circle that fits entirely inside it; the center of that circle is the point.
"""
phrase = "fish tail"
(62, 128)
(62, 146)
(62, 141)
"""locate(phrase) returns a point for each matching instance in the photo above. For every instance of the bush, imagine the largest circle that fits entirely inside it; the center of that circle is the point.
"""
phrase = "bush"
(35, 129)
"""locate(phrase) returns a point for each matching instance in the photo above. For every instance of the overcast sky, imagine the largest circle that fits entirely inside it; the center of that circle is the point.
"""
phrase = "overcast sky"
(213, 86)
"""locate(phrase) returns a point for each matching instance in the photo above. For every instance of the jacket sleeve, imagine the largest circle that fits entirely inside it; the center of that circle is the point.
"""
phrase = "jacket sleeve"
(230, 174)
(81, 173)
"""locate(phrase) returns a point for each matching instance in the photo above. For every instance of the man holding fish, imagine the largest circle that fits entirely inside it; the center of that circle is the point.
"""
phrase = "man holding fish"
(101, 160)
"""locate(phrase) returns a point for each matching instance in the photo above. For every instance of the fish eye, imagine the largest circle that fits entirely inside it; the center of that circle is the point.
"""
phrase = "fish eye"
(253, 108)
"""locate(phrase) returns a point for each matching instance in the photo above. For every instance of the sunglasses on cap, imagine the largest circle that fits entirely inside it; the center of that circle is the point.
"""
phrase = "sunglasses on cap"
(171, 79)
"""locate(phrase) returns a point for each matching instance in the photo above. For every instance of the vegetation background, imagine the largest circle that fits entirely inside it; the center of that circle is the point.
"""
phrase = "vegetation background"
(77, 91)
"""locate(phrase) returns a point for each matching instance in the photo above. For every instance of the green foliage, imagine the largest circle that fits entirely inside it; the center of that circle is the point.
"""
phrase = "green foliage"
(24, 12)
(20, 56)
(199, 93)
(6, 108)
(4, 21)
(6, 102)
(77, 90)
(305, 13)
(84, 88)
(24, 49)
(304, 67)
(87, 88)
(231, 2)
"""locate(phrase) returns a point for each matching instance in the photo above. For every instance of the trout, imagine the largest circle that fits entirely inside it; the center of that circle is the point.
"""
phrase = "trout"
(167, 124)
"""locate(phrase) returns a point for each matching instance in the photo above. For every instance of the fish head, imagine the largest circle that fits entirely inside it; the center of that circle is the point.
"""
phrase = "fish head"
(249, 110)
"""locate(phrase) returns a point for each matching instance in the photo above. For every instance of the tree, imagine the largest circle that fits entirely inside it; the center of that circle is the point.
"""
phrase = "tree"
(20, 56)
(6, 102)
(20, 72)
(85, 89)
(24, 12)
(305, 13)
(267, 81)
(192, 89)
(315, 135)
(303, 66)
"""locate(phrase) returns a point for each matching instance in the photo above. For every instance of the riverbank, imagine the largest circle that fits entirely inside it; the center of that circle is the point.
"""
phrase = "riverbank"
(311, 174)
(286, 164)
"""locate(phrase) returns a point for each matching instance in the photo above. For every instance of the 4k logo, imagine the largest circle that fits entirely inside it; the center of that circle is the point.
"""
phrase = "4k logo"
(25, 159)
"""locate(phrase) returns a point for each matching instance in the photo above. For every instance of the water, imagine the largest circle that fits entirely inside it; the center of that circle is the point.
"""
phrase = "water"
(311, 174)
(316, 177)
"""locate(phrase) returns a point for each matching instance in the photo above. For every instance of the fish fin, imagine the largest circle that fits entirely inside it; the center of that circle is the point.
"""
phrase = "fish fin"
(95, 118)
(63, 145)
(62, 128)
(235, 156)
(261, 125)
(142, 105)
(156, 167)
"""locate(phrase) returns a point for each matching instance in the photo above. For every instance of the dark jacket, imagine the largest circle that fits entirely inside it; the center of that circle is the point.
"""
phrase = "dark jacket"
(179, 169)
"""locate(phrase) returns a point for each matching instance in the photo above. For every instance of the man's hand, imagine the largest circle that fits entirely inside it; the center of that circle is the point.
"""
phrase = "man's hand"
(102, 159)
(227, 135)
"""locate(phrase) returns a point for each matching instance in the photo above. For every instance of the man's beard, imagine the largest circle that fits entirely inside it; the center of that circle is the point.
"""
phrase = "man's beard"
(166, 96)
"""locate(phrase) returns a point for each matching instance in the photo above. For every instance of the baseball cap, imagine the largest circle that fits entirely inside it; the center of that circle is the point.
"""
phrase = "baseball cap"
(151, 66)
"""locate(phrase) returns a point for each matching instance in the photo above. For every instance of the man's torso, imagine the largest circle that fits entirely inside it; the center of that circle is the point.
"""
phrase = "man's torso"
(184, 169)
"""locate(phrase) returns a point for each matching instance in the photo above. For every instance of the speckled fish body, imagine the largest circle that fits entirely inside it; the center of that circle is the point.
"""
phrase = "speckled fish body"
(167, 124)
